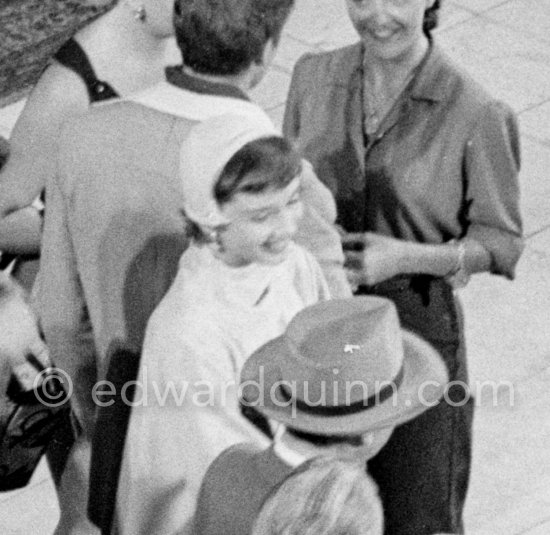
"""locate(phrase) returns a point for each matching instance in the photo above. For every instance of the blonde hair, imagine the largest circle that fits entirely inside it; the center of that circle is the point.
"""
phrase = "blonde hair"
(324, 496)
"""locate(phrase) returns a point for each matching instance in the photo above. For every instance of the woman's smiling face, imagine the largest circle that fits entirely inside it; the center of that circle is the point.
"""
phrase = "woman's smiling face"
(390, 29)
(262, 225)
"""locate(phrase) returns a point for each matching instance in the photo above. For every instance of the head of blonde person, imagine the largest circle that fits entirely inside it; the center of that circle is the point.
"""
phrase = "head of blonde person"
(323, 497)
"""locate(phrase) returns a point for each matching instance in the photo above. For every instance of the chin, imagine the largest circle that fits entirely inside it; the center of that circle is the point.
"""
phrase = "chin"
(389, 48)
(274, 259)
(388, 51)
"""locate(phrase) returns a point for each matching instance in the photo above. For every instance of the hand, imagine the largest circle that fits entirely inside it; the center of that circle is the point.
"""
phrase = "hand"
(372, 258)
(20, 338)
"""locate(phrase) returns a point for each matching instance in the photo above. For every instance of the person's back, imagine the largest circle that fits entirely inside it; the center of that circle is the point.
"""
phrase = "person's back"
(223, 505)
(279, 497)
(128, 257)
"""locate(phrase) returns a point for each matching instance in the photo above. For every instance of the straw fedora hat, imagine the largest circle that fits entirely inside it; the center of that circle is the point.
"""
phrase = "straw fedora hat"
(344, 367)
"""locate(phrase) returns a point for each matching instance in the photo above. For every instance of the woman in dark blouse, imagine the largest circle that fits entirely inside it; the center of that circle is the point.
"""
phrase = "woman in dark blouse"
(423, 164)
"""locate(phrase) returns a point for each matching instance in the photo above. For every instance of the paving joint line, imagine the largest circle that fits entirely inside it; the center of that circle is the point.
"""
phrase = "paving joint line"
(533, 106)
(537, 232)
(538, 524)
(486, 16)
(474, 12)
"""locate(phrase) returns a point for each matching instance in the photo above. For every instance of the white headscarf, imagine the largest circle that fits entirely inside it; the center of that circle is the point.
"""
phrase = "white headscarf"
(204, 154)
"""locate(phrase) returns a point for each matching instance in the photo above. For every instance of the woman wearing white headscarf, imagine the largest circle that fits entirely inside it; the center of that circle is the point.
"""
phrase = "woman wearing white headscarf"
(239, 284)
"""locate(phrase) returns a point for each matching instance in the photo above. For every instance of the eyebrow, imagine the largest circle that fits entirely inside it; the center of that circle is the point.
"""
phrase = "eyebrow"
(268, 209)
(260, 210)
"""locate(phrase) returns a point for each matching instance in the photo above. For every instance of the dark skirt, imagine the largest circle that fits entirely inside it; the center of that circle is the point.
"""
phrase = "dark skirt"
(423, 471)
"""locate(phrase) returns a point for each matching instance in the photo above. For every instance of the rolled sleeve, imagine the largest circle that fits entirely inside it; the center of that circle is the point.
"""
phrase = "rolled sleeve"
(187, 415)
(492, 162)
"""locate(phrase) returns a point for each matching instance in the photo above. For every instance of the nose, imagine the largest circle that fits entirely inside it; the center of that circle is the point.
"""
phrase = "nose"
(377, 10)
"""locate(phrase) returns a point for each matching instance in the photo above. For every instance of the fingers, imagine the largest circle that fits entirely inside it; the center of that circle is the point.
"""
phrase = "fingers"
(38, 349)
(354, 241)
(26, 374)
(26, 368)
(354, 261)
(354, 279)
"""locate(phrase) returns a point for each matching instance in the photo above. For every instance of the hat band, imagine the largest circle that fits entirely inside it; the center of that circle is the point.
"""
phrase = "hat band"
(343, 410)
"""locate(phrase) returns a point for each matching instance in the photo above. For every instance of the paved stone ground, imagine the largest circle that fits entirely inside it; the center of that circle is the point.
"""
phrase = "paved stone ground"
(505, 44)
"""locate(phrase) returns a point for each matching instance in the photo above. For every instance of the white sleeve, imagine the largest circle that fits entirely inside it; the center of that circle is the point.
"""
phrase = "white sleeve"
(187, 415)
(309, 278)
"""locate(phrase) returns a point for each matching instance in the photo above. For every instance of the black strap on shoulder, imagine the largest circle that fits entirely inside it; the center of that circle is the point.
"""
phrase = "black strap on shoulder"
(72, 56)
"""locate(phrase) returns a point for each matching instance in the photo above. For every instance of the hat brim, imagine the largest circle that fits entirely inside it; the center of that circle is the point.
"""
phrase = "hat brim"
(424, 380)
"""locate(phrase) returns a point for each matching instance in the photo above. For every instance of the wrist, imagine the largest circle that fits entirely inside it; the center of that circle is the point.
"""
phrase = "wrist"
(458, 276)
(410, 258)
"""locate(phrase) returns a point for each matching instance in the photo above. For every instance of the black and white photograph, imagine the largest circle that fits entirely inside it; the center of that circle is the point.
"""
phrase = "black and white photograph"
(274, 267)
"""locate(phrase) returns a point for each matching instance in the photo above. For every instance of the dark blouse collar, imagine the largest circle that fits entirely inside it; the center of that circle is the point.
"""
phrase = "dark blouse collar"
(176, 76)
(431, 82)
(432, 79)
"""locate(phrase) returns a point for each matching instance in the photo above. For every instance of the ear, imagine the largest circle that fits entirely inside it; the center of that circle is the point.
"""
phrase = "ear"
(214, 241)
(269, 53)
(259, 68)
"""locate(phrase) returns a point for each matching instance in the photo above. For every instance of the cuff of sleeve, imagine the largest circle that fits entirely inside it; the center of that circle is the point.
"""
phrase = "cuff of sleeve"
(38, 205)
(337, 282)
(504, 247)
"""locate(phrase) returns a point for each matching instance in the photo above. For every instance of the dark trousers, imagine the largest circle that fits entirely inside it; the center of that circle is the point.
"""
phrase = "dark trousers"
(423, 471)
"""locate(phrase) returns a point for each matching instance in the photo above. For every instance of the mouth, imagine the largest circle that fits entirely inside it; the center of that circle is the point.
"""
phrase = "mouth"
(382, 33)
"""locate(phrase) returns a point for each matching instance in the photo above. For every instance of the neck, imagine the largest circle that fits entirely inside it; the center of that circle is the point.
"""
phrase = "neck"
(243, 81)
(299, 446)
(388, 73)
(131, 35)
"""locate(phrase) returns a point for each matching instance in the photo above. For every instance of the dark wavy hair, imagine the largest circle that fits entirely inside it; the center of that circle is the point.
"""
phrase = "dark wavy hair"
(431, 18)
(263, 164)
(267, 163)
